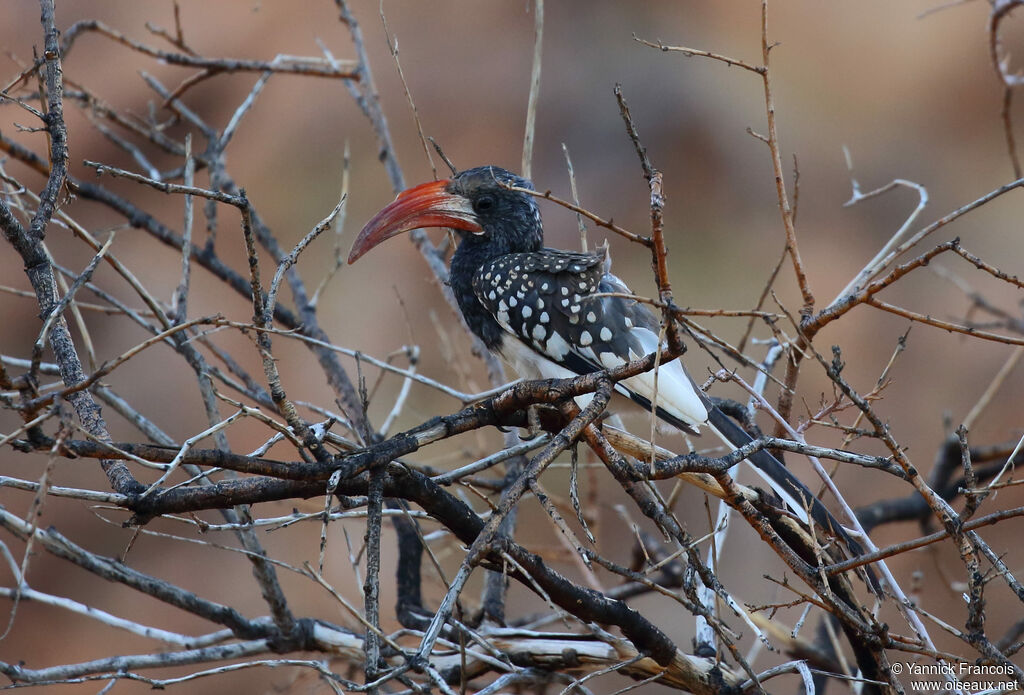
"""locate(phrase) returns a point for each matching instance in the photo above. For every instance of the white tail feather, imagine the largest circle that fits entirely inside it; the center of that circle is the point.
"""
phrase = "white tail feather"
(676, 393)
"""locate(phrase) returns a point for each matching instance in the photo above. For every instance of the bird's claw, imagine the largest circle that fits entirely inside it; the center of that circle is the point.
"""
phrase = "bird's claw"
(533, 428)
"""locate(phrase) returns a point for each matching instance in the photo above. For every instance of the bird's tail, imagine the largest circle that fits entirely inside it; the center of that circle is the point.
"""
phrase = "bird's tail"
(801, 500)
(793, 492)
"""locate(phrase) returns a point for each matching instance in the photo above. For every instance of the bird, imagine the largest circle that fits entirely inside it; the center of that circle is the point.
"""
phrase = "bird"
(557, 314)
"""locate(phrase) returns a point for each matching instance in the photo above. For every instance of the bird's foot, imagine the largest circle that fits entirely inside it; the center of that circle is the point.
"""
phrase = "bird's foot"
(533, 428)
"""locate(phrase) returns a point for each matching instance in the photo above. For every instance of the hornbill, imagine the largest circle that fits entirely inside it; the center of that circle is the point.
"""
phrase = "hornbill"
(559, 314)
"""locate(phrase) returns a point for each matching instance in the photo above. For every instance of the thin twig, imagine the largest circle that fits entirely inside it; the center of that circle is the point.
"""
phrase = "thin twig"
(531, 104)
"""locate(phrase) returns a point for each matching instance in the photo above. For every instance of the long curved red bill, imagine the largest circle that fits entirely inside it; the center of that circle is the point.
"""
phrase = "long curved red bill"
(426, 205)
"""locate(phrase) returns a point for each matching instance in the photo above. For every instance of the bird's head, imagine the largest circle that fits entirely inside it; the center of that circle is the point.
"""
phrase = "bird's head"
(478, 203)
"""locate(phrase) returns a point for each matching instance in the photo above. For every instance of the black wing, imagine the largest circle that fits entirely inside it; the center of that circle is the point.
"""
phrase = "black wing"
(557, 303)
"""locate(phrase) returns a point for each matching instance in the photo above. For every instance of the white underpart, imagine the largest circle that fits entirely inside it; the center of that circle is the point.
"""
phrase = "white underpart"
(529, 364)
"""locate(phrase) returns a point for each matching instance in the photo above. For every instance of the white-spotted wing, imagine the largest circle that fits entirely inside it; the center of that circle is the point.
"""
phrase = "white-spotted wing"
(557, 303)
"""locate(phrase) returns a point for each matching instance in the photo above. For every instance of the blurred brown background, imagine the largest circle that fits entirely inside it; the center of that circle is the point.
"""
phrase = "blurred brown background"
(911, 97)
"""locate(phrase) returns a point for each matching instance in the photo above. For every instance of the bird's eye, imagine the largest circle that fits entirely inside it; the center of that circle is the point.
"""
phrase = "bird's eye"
(483, 203)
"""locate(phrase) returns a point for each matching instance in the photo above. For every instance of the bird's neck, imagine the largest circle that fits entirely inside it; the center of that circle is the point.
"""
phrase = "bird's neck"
(469, 257)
